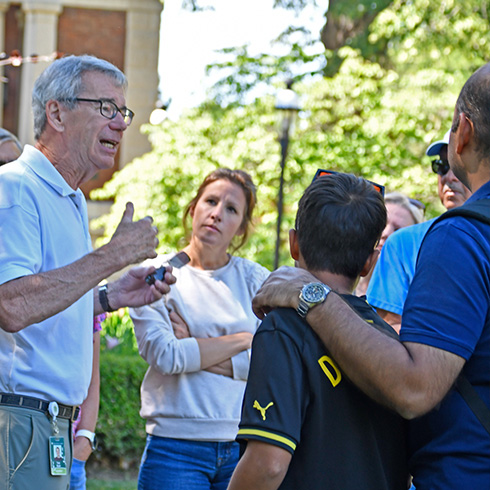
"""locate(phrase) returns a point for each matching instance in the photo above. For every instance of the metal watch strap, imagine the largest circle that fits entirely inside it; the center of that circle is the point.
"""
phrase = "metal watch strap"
(303, 308)
(103, 300)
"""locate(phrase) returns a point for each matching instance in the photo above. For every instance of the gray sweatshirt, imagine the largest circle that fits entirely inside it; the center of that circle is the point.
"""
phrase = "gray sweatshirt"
(178, 400)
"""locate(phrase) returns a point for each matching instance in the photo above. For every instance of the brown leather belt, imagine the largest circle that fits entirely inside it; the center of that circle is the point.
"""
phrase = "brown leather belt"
(11, 400)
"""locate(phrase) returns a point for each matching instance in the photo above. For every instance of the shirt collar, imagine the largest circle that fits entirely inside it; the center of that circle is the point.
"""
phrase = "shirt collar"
(41, 166)
(482, 193)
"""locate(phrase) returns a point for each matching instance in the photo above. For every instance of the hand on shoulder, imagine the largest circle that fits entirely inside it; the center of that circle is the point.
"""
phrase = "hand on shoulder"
(281, 289)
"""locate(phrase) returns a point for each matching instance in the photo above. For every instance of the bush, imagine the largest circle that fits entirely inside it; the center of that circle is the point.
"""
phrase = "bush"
(120, 429)
(117, 333)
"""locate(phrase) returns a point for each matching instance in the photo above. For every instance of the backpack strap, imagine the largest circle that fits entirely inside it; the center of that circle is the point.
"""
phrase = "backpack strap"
(479, 210)
(474, 401)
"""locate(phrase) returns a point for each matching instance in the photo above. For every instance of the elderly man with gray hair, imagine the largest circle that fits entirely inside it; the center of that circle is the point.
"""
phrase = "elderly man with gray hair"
(49, 275)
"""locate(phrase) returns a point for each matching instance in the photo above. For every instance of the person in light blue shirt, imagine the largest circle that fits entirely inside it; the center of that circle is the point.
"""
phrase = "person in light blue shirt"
(49, 275)
(395, 268)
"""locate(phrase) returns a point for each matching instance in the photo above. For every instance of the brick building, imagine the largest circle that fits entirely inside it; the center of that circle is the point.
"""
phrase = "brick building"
(125, 32)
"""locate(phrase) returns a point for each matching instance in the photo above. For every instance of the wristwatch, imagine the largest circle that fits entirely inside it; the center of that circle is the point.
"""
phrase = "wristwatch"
(103, 300)
(312, 294)
(89, 435)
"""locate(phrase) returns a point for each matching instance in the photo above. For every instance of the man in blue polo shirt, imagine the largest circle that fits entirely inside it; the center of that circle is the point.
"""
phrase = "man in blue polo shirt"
(445, 324)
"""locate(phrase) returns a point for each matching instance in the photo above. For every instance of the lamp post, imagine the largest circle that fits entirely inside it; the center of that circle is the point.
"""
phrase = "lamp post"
(159, 114)
(288, 103)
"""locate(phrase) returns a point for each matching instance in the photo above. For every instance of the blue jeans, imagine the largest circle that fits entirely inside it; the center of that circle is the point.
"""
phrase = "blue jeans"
(78, 478)
(177, 464)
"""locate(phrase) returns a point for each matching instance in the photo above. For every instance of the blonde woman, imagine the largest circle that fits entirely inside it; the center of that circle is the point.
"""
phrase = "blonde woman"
(197, 343)
(402, 212)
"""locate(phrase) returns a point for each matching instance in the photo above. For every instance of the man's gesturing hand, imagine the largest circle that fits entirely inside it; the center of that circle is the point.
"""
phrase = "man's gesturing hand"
(134, 241)
(132, 289)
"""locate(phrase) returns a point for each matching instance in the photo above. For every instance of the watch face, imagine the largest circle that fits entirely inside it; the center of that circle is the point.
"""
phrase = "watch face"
(314, 293)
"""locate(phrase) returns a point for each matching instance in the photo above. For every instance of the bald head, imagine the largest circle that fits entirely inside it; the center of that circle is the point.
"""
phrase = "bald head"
(474, 103)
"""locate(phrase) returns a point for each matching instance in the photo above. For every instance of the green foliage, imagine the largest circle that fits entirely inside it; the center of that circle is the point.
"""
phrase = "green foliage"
(162, 183)
(367, 120)
(117, 333)
(241, 74)
(296, 5)
(356, 10)
(391, 95)
(120, 429)
(95, 484)
(424, 34)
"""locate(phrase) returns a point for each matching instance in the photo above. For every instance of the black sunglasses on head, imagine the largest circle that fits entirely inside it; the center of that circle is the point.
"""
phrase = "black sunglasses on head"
(440, 167)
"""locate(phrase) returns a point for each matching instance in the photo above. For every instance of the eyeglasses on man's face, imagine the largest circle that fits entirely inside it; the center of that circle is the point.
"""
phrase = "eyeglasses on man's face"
(320, 173)
(440, 166)
(109, 109)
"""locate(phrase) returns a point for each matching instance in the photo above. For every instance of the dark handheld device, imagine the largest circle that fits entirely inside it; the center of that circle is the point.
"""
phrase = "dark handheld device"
(177, 260)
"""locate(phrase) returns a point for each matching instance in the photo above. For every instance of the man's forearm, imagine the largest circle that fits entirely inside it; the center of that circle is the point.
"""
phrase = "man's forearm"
(410, 378)
(215, 350)
(33, 298)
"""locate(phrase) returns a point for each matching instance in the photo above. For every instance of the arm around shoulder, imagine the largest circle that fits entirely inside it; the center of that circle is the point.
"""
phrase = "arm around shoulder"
(281, 289)
(410, 378)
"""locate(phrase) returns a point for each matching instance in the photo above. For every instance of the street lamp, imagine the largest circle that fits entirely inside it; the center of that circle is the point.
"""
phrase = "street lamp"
(159, 114)
(288, 103)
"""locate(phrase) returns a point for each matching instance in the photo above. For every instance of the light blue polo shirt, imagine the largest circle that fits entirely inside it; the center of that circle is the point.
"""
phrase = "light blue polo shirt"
(44, 226)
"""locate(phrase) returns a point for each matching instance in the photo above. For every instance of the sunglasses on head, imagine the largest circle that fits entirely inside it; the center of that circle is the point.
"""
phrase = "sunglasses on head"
(440, 167)
(417, 204)
(321, 173)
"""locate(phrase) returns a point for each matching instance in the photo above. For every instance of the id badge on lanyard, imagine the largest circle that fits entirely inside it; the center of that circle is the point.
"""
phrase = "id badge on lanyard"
(57, 454)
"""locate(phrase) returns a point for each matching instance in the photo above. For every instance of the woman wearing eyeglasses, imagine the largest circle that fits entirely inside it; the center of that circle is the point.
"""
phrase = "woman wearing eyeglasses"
(401, 212)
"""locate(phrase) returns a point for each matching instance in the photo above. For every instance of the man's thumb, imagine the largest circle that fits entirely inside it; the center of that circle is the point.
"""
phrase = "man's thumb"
(128, 213)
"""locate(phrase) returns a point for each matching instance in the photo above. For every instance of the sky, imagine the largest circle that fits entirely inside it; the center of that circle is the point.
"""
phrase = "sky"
(189, 41)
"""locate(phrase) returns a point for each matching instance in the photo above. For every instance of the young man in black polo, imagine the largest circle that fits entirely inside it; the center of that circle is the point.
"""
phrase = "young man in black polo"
(305, 425)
